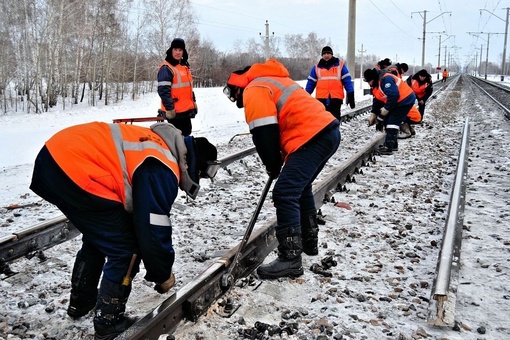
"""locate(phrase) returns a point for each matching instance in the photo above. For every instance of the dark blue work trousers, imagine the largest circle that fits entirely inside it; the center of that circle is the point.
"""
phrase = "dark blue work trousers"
(292, 193)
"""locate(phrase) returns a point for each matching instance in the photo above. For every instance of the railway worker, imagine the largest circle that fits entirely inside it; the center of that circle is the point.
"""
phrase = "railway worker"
(445, 76)
(421, 83)
(382, 64)
(116, 183)
(330, 79)
(291, 129)
(397, 69)
(175, 88)
(393, 99)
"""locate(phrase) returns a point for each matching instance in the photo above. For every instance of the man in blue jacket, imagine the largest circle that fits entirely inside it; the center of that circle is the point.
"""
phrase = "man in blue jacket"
(393, 99)
(330, 79)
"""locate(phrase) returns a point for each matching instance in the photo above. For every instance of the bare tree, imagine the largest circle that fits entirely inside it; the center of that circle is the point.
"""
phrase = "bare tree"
(168, 20)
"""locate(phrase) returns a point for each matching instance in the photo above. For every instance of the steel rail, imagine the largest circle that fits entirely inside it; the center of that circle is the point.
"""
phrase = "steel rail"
(499, 87)
(441, 313)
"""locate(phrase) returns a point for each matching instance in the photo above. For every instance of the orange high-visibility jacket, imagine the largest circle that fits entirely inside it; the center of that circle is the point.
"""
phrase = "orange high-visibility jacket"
(329, 82)
(445, 74)
(101, 158)
(419, 90)
(403, 89)
(271, 97)
(181, 88)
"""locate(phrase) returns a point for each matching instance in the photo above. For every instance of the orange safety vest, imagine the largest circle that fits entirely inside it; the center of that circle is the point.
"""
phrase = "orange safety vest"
(286, 103)
(445, 74)
(182, 88)
(329, 82)
(101, 158)
(403, 89)
(419, 90)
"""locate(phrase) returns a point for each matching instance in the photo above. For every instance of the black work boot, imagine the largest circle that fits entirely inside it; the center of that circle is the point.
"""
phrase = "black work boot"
(390, 143)
(288, 262)
(310, 232)
(109, 320)
(84, 280)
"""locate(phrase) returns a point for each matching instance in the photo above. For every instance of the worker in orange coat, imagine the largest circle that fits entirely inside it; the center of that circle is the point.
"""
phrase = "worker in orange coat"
(393, 99)
(116, 183)
(445, 76)
(175, 88)
(290, 129)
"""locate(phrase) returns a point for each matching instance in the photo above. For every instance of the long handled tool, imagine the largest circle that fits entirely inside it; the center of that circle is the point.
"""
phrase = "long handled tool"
(126, 281)
(228, 279)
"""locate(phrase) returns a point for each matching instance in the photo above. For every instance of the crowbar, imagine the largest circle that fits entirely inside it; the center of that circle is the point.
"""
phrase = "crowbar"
(228, 278)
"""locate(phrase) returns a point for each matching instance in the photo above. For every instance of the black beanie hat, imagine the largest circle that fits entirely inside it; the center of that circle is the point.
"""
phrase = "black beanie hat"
(370, 74)
(178, 43)
(326, 49)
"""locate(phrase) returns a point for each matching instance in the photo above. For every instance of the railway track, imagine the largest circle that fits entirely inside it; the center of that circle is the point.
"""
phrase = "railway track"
(195, 297)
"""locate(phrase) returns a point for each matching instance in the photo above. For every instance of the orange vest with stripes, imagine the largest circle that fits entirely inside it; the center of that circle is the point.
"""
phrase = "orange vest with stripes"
(280, 100)
(101, 158)
(182, 88)
(329, 82)
(403, 89)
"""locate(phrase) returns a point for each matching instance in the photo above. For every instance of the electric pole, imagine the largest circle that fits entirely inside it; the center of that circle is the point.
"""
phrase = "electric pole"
(351, 38)
(267, 54)
(425, 22)
(361, 66)
(488, 43)
(503, 63)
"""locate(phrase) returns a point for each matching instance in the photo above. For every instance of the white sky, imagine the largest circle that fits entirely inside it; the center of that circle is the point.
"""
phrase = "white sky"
(387, 28)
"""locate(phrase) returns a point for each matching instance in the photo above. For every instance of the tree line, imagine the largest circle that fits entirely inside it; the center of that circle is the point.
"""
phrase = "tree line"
(63, 52)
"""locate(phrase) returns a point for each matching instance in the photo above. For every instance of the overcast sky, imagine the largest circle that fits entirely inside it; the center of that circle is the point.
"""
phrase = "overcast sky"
(387, 28)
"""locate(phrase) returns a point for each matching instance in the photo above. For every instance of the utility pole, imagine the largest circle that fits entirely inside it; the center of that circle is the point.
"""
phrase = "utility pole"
(488, 43)
(438, 66)
(439, 56)
(503, 63)
(351, 38)
(481, 52)
(445, 65)
(267, 54)
(425, 22)
(361, 66)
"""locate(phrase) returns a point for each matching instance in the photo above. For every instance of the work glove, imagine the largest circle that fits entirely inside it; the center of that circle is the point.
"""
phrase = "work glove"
(350, 100)
(372, 119)
(384, 112)
(170, 114)
(165, 286)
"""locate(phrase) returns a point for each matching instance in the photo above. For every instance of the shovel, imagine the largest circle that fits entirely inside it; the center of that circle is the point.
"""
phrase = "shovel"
(228, 278)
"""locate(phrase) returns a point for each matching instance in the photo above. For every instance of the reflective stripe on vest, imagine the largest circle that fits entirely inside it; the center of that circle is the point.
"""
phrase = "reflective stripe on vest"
(404, 91)
(181, 90)
(286, 92)
(179, 83)
(121, 147)
(330, 85)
